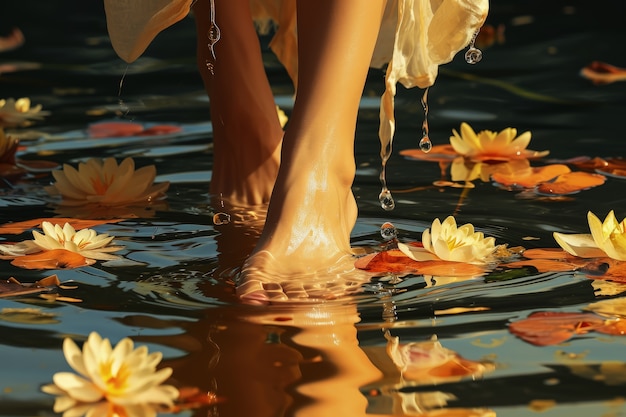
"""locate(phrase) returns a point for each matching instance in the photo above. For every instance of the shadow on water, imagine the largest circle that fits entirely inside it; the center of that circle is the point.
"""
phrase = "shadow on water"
(174, 293)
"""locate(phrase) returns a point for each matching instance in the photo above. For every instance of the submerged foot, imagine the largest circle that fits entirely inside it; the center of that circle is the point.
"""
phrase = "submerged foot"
(304, 252)
(311, 283)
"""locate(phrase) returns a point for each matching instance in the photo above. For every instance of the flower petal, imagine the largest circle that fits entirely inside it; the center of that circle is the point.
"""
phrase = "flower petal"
(74, 356)
(77, 387)
(581, 245)
(416, 253)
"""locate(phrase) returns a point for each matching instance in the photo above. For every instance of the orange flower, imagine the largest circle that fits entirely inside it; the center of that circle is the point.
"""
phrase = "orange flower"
(492, 146)
(106, 183)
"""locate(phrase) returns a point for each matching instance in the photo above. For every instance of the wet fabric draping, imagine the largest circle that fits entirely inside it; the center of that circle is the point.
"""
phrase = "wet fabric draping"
(415, 37)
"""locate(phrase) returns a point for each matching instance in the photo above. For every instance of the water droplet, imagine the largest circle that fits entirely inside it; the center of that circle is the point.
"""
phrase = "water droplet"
(473, 56)
(386, 200)
(425, 144)
(388, 231)
(221, 218)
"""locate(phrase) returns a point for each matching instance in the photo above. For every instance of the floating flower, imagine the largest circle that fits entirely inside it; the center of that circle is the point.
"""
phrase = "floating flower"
(607, 238)
(492, 146)
(19, 112)
(430, 362)
(85, 242)
(110, 379)
(446, 241)
(106, 183)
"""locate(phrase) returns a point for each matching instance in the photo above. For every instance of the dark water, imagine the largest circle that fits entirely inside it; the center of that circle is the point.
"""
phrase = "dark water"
(173, 300)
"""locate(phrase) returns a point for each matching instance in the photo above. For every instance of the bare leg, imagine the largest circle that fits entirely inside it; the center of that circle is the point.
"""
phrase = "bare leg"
(304, 250)
(246, 130)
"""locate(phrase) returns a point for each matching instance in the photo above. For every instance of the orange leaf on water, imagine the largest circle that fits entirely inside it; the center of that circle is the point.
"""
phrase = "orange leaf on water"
(571, 182)
(77, 224)
(615, 273)
(551, 328)
(448, 268)
(52, 259)
(114, 129)
(392, 261)
(529, 179)
(437, 153)
(546, 253)
(544, 265)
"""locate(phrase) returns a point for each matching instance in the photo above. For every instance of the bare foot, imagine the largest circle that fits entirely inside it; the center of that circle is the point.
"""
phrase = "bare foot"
(304, 251)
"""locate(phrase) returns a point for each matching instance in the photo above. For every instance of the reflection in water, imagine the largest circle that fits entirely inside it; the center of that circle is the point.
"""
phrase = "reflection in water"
(305, 360)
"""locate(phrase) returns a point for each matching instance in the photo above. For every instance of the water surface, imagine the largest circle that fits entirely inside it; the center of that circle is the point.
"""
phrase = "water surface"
(327, 358)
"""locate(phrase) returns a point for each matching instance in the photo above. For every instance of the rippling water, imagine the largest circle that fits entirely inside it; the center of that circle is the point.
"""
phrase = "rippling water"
(305, 360)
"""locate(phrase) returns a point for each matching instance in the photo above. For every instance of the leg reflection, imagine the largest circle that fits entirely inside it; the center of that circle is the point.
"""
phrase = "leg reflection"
(296, 361)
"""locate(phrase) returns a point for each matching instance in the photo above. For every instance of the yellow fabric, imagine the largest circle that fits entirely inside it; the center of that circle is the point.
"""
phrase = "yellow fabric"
(416, 36)
(133, 24)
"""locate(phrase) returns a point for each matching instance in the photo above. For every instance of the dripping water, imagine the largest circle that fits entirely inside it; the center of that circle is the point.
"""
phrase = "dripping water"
(388, 231)
(123, 108)
(473, 54)
(385, 198)
(425, 144)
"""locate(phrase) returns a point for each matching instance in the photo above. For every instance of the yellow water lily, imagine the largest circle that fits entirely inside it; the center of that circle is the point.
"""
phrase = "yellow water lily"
(106, 183)
(487, 145)
(86, 242)
(119, 378)
(19, 112)
(607, 238)
(445, 241)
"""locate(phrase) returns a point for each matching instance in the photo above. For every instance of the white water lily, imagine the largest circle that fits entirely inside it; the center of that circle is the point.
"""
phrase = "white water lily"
(86, 242)
(445, 241)
(19, 112)
(106, 183)
(122, 378)
(607, 238)
(492, 146)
